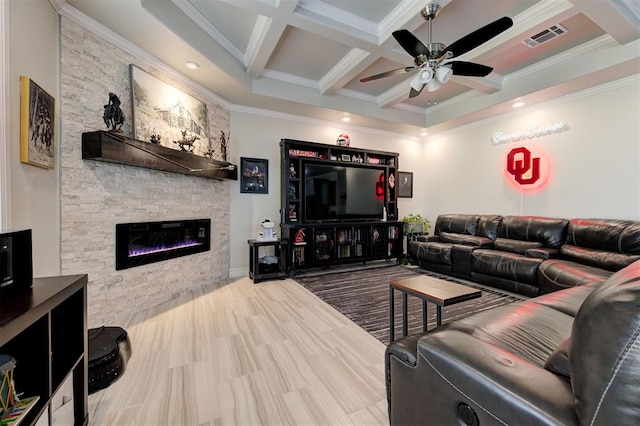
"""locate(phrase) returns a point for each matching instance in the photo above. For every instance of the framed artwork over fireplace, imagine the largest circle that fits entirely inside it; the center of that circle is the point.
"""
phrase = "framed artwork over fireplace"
(175, 119)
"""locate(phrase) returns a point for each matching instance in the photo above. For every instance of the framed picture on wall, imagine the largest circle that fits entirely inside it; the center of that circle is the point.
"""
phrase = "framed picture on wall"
(254, 175)
(405, 184)
(37, 130)
(166, 114)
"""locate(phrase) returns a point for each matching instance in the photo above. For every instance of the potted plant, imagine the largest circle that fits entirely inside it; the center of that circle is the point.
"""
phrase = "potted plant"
(416, 224)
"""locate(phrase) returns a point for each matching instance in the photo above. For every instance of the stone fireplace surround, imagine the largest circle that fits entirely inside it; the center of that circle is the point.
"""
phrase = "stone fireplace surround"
(94, 196)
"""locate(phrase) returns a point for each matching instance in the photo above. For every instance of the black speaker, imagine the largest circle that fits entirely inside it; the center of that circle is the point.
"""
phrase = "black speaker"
(16, 265)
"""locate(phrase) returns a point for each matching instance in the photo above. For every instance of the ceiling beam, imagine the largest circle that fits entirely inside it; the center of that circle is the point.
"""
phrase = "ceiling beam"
(285, 90)
(265, 36)
(607, 16)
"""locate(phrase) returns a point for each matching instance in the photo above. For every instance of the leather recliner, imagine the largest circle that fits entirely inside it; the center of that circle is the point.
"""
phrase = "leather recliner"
(566, 358)
(593, 250)
(522, 244)
(444, 251)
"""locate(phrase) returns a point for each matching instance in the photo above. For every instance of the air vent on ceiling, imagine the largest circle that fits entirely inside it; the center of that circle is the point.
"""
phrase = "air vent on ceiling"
(545, 36)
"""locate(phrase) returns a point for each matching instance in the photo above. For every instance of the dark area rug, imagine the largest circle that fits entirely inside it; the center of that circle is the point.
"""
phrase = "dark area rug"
(363, 296)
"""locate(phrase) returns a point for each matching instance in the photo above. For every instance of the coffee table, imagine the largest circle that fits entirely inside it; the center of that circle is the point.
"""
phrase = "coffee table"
(428, 289)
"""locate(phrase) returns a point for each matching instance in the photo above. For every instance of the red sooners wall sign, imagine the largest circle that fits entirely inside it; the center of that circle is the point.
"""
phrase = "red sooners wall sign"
(523, 166)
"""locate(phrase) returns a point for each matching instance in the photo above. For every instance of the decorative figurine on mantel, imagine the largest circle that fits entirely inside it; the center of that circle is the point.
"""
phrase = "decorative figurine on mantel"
(223, 145)
(113, 116)
(155, 138)
(187, 142)
(209, 153)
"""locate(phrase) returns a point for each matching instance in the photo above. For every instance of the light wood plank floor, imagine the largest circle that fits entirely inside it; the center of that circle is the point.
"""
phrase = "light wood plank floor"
(245, 354)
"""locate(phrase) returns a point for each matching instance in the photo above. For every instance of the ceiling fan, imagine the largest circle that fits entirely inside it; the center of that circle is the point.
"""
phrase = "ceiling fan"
(434, 60)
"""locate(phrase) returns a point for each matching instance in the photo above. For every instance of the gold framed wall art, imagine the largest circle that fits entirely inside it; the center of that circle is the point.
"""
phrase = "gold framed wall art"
(37, 125)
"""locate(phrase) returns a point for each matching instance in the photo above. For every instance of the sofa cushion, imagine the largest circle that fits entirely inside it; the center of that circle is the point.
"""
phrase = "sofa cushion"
(488, 226)
(620, 236)
(467, 240)
(506, 265)
(515, 246)
(612, 261)
(517, 328)
(568, 300)
(558, 274)
(605, 374)
(548, 231)
(457, 224)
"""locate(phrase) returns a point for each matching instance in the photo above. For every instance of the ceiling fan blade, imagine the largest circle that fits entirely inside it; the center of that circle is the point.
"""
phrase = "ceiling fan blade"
(387, 74)
(410, 43)
(479, 36)
(469, 69)
(413, 93)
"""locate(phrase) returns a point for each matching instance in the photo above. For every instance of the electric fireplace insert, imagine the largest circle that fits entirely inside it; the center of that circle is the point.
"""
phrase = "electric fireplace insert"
(148, 242)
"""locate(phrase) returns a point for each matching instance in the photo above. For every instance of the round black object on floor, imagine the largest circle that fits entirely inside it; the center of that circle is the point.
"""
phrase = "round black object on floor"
(109, 351)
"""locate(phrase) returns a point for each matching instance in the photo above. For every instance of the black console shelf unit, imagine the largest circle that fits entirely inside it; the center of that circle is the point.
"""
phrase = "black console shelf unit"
(322, 243)
(44, 329)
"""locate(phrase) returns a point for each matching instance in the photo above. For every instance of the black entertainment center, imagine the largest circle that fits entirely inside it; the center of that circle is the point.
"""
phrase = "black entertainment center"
(338, 204)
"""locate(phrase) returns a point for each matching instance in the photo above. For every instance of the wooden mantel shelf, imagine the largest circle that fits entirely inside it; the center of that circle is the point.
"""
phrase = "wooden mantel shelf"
(116, 148)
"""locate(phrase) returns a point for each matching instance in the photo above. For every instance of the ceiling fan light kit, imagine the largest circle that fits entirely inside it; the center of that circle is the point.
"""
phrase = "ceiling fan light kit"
(435, 60)
(443, 74)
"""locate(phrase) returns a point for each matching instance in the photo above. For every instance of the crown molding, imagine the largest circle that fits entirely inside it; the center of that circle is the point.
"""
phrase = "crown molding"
(587, 47)
(336, 14)
(290, 78)
(194, 14)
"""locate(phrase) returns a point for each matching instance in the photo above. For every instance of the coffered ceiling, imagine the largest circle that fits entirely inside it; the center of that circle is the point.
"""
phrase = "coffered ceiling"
(306, 57)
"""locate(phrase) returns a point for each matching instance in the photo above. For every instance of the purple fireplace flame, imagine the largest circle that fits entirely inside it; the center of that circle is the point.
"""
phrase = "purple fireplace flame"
(147, 242)
(149, 250)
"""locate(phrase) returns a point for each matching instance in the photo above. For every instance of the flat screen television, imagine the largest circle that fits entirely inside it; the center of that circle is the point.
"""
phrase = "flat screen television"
(343, 192)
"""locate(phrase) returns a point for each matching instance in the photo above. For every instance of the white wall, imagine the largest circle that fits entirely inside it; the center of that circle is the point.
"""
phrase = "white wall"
(35, 192)
(258, 136)
(594, 165)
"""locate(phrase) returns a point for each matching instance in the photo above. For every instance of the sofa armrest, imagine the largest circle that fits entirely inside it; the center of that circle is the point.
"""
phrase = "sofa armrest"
(455, 367)
(427, 238)
(543, 253)
(461, 259)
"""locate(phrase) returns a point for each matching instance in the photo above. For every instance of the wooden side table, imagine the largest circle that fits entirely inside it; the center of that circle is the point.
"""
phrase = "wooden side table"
(261, 271)
(428, 289)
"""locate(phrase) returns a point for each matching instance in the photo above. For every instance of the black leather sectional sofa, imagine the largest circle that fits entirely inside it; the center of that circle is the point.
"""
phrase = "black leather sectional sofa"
(527, 254)
(570, 357)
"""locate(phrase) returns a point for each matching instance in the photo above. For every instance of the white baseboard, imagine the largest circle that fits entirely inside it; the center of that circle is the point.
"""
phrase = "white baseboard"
(238, 272)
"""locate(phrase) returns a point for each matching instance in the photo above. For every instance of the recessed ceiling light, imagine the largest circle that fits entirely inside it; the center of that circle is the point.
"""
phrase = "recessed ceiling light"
(424, 133)
(192, 65)
(518, 104)
(345, 119)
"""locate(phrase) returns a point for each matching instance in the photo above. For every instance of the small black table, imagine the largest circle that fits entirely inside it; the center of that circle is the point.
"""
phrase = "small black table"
(428, 289)
(261, 271)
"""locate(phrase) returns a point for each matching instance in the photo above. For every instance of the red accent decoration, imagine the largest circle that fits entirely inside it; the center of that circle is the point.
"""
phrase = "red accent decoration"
(519, 163)
(380, 187)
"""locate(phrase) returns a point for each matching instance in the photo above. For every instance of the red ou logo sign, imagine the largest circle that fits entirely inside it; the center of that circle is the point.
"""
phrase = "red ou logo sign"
(520, 163)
